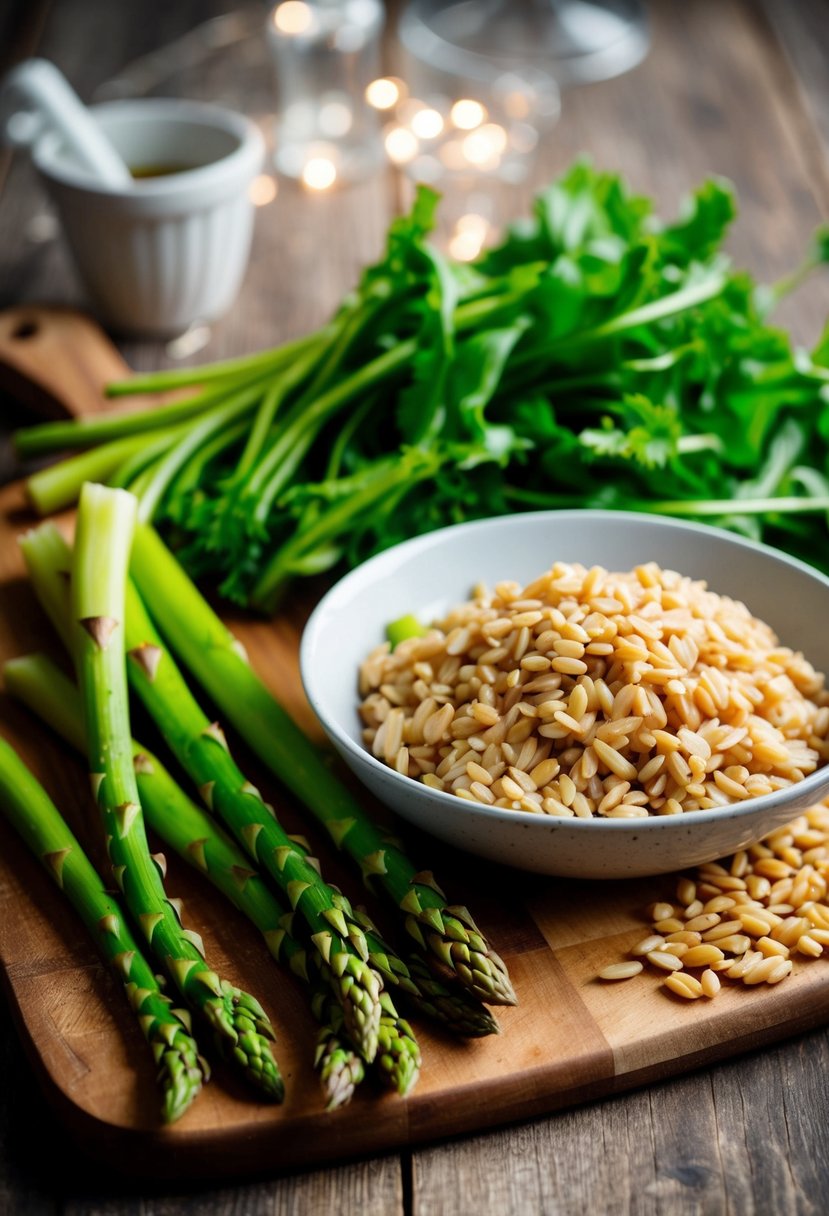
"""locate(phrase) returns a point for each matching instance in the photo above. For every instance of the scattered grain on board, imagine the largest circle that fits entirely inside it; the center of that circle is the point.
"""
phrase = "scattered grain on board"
(589, 693)
(748, 936)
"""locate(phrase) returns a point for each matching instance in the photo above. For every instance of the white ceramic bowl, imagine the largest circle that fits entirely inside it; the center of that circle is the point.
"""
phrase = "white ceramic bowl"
(428, 575)
(165, 251)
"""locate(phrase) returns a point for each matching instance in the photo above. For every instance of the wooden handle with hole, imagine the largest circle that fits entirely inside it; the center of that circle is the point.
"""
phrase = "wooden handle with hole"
(56, 361)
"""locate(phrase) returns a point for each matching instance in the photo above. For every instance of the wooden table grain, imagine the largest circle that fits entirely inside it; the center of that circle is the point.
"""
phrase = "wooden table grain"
(732, 87)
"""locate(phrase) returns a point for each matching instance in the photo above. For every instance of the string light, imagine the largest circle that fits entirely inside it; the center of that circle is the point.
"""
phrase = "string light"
(483, 147)
(467, 114)
(293, 17)
(464, 246)
(496, 136)
(427, 124)
(401, 145)
(471, 230)
(474, 224)
(319, 173)
(384, 93)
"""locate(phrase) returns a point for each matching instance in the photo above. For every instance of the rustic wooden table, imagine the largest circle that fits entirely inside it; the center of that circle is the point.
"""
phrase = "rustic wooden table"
(731, 87)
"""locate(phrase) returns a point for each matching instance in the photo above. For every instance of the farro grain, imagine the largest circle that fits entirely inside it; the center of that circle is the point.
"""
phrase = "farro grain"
(647, 678)
(710, 983)
(678, 949)
(770, 947)
(738, 943)
(684, 985)
(703, 956)
(704, 922)
(654, 942)
(669, 924)
(684, 935)
(666, 962)
(809, 946)
(720, 903)
(620, 971)
(741, 966)
(726, 928)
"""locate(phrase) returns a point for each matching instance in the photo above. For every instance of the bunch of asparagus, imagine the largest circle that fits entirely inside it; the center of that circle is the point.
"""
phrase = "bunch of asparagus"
(239, 844)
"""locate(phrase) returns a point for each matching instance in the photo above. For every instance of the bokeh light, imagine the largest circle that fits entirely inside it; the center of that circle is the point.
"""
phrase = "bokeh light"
(319, 173)
(293, 17)
(467, 114)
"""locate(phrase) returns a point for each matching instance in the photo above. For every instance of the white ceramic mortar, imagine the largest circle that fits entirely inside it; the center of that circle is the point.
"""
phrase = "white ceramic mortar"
(166, 251)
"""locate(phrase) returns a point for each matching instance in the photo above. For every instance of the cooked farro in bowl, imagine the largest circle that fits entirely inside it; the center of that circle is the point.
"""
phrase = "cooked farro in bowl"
(596, 694)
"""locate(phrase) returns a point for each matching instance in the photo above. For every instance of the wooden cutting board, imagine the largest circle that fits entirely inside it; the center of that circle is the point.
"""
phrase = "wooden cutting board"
(571, 1038)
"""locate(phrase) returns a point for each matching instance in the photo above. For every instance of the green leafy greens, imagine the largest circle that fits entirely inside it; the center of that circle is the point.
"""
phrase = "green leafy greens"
(596, 357)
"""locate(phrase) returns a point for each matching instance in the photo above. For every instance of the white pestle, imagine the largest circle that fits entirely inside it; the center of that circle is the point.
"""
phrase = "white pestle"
(37, 85)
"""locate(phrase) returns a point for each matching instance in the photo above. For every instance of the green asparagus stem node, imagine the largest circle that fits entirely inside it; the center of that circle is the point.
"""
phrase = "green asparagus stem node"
(99, 572)
(31, 812)
(211, 653)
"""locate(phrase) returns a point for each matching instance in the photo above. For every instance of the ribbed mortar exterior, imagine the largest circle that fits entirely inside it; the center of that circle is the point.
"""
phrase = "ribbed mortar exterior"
(171, 249)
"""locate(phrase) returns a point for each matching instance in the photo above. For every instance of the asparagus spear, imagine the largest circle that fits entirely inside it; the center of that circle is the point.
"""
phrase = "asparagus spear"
(200, 747)
(30, 810)
(195, 836)
(215, 658)
(398, 1054)
(40, 685)
(456, 1009)
(452, 1005)
(339, 1068)
(99, 575)
(49, 695)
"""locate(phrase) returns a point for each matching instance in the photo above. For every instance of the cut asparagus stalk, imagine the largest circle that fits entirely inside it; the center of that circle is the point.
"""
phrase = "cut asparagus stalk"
(212, 654)
(38, 821)
(99, 575)
(200, 842)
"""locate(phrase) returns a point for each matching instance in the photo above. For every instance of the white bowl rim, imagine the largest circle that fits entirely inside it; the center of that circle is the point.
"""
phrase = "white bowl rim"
(246, 155)
(459, 806)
